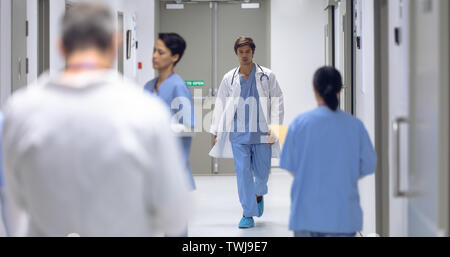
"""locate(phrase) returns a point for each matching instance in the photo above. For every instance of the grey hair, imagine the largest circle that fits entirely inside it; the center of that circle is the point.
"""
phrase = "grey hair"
(87, 25)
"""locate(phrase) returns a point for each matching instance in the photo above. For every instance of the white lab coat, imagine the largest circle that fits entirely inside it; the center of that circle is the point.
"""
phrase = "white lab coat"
(272, 104)
(95, 157)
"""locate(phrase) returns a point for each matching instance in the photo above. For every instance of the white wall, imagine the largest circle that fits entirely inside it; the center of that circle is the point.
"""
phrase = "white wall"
(298, 50)
(365, 106)
(146, 38)
(5, 50)
(143, 10)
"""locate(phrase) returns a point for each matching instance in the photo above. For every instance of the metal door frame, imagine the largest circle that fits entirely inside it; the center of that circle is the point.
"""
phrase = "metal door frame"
(348, 76)
(444, 212)
(215, 65)
(330, 34)
(382, 124)
(43, 36)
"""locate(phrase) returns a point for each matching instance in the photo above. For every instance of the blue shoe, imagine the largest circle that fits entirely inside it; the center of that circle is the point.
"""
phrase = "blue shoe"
(246, 223)
(261, 208)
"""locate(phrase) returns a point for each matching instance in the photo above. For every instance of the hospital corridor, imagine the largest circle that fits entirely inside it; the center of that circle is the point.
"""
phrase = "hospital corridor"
(225, 118)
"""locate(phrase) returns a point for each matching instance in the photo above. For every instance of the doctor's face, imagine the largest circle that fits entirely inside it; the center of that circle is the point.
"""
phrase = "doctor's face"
(162, 56)
(245, 55)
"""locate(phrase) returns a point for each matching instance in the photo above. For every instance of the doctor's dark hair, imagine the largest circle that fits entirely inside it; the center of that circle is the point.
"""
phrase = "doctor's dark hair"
(244, 41)
(175, 43)
(87, 25)
(328, 83)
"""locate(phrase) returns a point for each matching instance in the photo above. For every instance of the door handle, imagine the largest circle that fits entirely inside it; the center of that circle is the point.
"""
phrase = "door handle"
(398, 193)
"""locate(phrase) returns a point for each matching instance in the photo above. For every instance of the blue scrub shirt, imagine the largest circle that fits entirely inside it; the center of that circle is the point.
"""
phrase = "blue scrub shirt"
(174, 87)
(327, 152)
(246, 131)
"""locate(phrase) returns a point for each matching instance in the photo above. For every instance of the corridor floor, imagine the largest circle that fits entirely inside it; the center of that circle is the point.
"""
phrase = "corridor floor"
(218, 211)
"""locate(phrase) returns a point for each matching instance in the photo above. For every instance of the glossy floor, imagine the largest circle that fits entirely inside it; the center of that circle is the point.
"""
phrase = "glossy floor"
(218, 210)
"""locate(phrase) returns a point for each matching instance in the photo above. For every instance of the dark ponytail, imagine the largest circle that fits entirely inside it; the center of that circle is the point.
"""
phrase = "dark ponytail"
(328, 83)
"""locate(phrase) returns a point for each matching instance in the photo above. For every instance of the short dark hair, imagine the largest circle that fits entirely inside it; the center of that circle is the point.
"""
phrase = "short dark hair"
(175, 43)
(244, 41)
(87, 25)
(328, 83)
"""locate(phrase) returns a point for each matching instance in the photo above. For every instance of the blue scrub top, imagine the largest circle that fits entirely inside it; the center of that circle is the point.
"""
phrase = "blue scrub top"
(246, 132)
(1, 153)
(327, 152)
(175, 90)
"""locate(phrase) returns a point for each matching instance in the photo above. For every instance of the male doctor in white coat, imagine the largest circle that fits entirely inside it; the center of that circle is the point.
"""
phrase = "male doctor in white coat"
(248, 101)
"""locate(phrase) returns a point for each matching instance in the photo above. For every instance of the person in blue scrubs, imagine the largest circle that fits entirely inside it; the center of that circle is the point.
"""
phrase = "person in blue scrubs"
(172, 89)
(252, 158)
(327, 151)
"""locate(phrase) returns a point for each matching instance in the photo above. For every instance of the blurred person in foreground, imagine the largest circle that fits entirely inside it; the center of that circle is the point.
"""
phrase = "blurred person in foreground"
(82, 152)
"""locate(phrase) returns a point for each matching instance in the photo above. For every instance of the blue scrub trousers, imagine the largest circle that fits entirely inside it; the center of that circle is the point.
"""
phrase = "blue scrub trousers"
(186, 143)
(252, 164)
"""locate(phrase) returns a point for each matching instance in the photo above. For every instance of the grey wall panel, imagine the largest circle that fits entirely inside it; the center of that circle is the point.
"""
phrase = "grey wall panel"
(19, 44)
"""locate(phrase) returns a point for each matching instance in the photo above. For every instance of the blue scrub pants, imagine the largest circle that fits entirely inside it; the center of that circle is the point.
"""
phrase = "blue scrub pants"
(186, 143)
(252, 164)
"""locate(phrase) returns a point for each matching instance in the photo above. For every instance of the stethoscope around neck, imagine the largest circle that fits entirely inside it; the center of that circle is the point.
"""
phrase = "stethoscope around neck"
(261, 78)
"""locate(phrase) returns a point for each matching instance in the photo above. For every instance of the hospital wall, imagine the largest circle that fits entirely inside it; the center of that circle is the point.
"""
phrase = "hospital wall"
(297, 35)
(143, 30)
(143, 11)
(5, 50)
